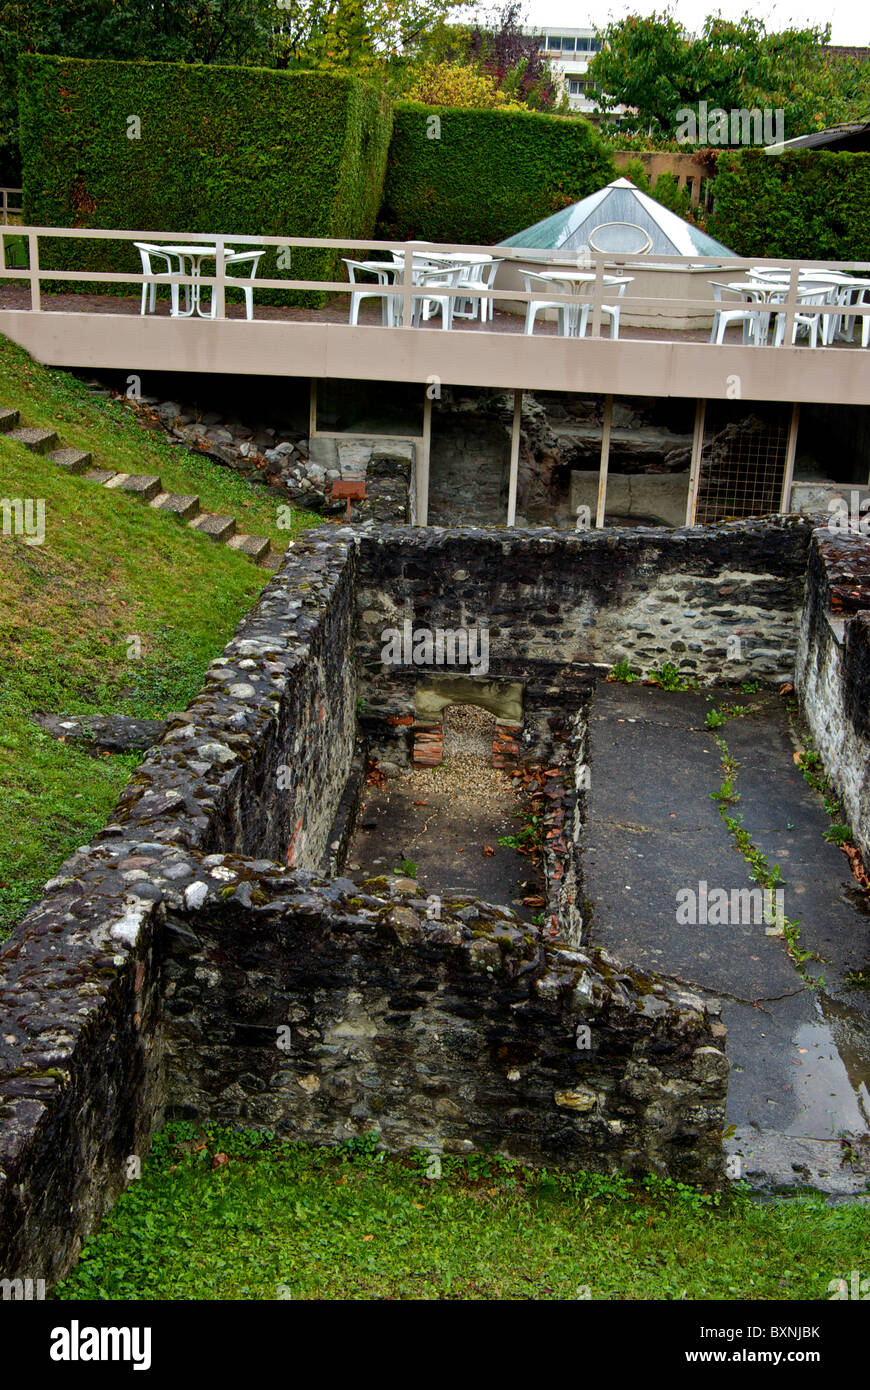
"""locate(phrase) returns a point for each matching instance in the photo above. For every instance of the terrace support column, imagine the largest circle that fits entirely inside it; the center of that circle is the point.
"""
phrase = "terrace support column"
(515, 459)
(605, 460)
(790, 451)
(423, 463)
(695, 471)
(312, 409)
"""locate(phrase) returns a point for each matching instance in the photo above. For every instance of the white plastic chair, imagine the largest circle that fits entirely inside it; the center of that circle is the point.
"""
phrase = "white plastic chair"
(479, 275)
(422, 264)
(753, 327)
(617, 282)
(252, 260)
(807, 323)
(564, 324)
(355, 269)
(425, 305)
(148, 251)
(237, 258)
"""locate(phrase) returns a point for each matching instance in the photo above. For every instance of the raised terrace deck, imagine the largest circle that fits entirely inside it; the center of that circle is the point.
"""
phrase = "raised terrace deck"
(90, 330)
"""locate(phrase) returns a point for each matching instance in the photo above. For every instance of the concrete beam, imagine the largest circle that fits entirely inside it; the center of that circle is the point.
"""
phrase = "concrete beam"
(510, 361)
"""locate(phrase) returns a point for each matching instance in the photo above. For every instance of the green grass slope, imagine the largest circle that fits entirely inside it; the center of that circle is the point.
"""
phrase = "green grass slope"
(109, 570)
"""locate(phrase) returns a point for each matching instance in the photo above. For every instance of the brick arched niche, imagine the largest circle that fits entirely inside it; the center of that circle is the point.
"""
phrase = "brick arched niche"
(433, 694)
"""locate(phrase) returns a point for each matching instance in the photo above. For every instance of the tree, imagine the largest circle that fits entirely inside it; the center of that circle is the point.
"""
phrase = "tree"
(449, 84)
(513, 59)
(362, 34)
(656, 68)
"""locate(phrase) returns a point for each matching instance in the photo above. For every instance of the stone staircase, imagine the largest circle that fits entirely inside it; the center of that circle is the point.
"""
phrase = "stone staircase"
(147, 487)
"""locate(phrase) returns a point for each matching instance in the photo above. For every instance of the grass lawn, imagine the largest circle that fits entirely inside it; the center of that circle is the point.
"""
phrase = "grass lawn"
(110, 569)
(239, 1215)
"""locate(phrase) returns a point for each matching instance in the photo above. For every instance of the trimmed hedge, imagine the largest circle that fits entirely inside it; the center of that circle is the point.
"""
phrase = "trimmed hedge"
(489, 175)
(812, 204)
(222, 149)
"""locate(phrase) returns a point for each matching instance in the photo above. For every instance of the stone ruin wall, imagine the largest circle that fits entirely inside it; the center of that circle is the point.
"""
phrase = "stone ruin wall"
(205, 923)
(832, 671)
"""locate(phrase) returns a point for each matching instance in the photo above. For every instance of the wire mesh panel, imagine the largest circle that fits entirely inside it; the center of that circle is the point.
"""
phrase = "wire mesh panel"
(743, 462)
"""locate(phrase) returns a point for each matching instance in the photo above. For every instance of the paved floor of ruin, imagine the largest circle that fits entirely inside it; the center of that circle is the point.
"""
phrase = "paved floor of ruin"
(447, 822)
(799, 1048)
(800, 1056)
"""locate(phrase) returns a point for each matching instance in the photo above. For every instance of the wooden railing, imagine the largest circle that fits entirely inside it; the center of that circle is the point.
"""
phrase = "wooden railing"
(407, 289)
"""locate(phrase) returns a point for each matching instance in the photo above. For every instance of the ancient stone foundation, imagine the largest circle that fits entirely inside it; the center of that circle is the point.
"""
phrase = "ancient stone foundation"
(205, 957)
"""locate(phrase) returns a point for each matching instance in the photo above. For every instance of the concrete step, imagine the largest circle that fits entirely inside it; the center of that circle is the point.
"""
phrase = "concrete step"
(186, 507)
(38, 441)
(145, 486)
(73, 460)
(219, 528)
(255, 547)
(8, 419)
(98, 475)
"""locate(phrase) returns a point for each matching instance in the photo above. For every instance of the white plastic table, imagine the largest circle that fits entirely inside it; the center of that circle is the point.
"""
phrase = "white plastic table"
(196, 255)
(579, 278)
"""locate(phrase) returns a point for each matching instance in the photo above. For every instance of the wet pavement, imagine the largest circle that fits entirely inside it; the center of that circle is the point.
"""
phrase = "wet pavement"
(800, 1056)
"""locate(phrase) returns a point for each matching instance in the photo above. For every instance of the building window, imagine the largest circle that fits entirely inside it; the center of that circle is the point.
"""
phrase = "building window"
(567, 45)
(554, 44)
(577, 86)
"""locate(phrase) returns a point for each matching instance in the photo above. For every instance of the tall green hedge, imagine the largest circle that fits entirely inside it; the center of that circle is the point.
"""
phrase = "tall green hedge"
(811, 204)
(485, 175)
(222, 149)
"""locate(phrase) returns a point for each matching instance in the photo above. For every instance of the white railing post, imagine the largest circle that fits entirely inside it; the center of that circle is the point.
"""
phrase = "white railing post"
(407, 287)
(791, 306)
(33, 257)
(220, 289)
(597, 296)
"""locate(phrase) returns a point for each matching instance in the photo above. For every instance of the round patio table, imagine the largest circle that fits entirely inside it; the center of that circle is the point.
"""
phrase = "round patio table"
(196, 255)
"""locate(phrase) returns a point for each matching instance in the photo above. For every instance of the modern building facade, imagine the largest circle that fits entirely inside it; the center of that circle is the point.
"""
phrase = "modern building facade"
(570, 52)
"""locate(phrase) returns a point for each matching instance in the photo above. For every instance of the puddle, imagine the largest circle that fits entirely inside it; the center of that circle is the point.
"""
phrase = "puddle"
(823, 1087)
(852, 1037)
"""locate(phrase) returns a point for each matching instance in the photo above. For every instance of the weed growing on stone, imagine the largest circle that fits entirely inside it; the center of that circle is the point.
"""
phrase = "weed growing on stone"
(622, 672)
(669, 677)
(812, 769)
(839, 834)
(760, 870)
(529, 839)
